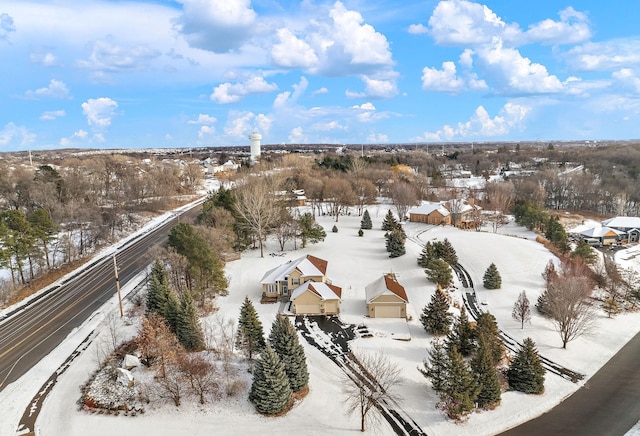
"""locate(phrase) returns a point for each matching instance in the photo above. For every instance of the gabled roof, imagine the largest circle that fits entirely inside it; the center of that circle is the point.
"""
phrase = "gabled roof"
(599, 232)
(306, 265)
(385, 285)
(428, 208)
(323, 290)
(623, 222)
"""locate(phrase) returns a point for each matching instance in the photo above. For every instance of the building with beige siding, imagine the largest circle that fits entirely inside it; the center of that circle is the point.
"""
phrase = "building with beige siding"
(386, 298)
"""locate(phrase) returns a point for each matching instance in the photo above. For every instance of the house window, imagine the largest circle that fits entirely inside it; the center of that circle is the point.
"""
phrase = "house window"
(295, 281)
(271, 288)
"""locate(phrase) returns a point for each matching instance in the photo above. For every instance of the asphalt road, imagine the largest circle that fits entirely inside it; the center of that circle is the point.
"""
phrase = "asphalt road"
(608, 404)
(33, 331)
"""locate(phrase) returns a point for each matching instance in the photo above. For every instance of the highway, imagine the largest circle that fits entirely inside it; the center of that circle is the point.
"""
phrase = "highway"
(32, 331)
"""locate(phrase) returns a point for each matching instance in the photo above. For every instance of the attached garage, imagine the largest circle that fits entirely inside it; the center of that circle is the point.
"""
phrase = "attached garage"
(313, 298)
(310, 309)
(387, 311)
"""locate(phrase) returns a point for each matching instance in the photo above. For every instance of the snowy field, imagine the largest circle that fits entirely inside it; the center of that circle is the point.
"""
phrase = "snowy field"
(354, 262)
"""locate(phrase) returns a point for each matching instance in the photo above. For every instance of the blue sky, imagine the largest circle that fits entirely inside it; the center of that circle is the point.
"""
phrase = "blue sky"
(130, 74)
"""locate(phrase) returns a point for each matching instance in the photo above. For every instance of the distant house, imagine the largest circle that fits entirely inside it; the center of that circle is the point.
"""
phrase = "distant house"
(316, 298)
(386, 298)
(430, 213)
(463, 212)
(628, 225)
(282, 280)
(600, 236)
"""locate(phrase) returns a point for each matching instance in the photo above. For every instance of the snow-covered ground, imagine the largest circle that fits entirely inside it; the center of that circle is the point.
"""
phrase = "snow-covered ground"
(354, 262)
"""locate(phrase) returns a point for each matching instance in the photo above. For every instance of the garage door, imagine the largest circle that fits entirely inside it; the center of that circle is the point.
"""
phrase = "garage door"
(387, 312)
(311, 309)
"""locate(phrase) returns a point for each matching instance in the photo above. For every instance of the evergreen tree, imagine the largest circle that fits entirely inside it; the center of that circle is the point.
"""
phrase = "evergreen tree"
(487, 330)
(310, 230)
(448, 253)
(270, 391)
(542, 305)
(462, 335)
(395, 240)
(556, 234)
(158, 289)
(284, 341)
(334, 229)
(172, 312)
(461, 388)
(486, 376)
(428, 253)
(436, 318)
(360, 232)
(435, 367)
(585, 252)
(439, 272)
(250, 336)
(526, 373)
(189, 332)
(491, 278)
(389, 223)
(366, 223)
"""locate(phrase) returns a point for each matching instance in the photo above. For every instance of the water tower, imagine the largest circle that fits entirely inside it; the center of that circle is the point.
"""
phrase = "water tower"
(255, 138)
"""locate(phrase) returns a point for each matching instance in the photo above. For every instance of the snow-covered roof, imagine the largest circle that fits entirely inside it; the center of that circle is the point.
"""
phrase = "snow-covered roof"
(385, 285)
(322, 290)
(599, 232)
(427, 208)
(622, 222)
(307, 265)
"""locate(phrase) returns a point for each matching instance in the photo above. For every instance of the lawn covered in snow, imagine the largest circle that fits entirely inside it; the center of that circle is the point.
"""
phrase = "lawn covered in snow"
(353, 263)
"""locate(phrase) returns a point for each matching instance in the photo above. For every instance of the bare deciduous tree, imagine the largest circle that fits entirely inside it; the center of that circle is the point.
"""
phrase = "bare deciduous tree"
(368, 384)
(403, 195)
(568, 303)
(522, 309)
(339, 194)
(200, 373)
(500, 196)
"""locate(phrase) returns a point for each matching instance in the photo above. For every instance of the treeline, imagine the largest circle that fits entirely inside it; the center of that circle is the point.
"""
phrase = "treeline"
(54, 214)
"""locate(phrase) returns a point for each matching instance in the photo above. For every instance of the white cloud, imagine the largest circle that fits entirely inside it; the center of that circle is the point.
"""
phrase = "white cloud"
(573, 27)
(322, 90)
(98, 137)
(52, 115)
(442, 80)
(368, 106)
(366, 113)
(206, 130)
(602, 56)
(107, 56)
(461, 22)
(216, 25)
(14, 135)
(466, 58)
(330, 125)
(287, 98)
(56, 89)
(509, 73)
(226, 93)
(44, 59)
(376, 138)
(6, 26)
(203, 119)
(297, 136)
(78, 137)
(628, 79)
(241, 124)
(375, 88)
(417, 29)
(99, 111)
(292, 52)
(481, 125)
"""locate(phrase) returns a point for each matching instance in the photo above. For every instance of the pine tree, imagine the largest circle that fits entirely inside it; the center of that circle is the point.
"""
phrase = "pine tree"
(310, 231)
(270, 391)
(487, 330)
(526, 373)
(172, 312)
(486, 376)
(334, 229)
(448, 253)
(439, 272)
(188, 329)
(250, 336)
(395, 240)
(491, 278)
(389, 223)
(284, 341)
(435, 367)
(158, 288)
(462, 335)
(461, 388)
(428, 253)
(542, 304)
(436, 318)
(366, 223)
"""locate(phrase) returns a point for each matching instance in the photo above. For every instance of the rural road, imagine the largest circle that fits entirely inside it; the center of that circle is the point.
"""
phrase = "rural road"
(32, 331)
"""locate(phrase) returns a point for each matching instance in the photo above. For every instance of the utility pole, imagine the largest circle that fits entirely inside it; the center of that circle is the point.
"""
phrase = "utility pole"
(115, 267)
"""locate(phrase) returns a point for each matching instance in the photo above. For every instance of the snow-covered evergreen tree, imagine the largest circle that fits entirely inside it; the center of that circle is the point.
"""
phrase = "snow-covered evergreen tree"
(435, 367)
(189, 331)
(486, 376)
(158, 289)
(439, 272)
(270, 391)
(462, 335)
(487, 330)
(461, 388)
(395, 240)
(365, 223)
(389, 223)
(428, 253)
(250, 336)
(284, 341)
